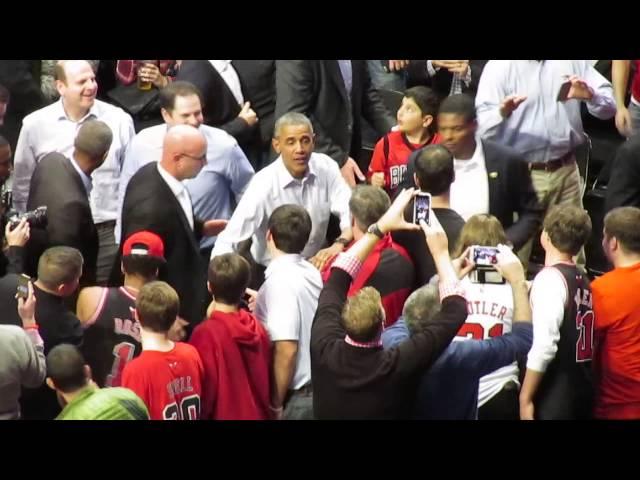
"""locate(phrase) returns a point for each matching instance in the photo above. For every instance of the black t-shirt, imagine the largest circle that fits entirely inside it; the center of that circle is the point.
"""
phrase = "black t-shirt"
(416, 245)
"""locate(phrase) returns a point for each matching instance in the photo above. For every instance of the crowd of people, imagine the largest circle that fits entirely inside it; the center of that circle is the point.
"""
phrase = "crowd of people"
(208, 239)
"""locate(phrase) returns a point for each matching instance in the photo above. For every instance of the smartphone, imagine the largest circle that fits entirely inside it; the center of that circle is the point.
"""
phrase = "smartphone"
(564, 91)
(485, 259)
(421, 206)
(23, 286)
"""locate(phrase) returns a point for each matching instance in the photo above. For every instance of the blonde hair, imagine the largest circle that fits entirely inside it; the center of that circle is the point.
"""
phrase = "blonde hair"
(483, 229)
(362, 315)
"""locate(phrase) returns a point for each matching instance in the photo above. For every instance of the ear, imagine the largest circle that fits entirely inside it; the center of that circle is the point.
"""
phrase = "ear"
(135, 315)
(209, 287)
(50, 383)
(122, 268)
(269, 236)
(415, 180)
(166, 116)
(275, 143)
(544, 236)
(427, 120)
(61, 87)
(87, 372)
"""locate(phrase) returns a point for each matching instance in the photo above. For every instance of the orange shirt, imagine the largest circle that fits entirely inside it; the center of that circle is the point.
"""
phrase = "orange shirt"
(616, 303)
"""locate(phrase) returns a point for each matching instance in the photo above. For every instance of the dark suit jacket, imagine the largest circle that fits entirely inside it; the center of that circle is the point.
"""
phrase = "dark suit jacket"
(149, 204)
(220, 107)
(623, 188)
(57, 185)
(417, 74)
(316, 88)
(510, 191)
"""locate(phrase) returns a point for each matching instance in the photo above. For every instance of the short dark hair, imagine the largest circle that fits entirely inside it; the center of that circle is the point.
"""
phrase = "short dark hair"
(229, 277)
(65, 368)
(367, 205)
(158, 305)
(141, 265)
(568, 227)
(290, 226)
(59, 265)
(177, 89)
(94, 139)
(427, 102)
(459, 104)
(622, 223)
(4, 94)
(434, 169)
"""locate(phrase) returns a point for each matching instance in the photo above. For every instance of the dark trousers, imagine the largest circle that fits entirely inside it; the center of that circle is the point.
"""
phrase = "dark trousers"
(107, 251)
(504, 406)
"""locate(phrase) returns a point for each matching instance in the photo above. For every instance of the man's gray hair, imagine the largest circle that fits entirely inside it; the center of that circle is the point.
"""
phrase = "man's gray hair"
(420, 308)
(94, 139)
(291, 118)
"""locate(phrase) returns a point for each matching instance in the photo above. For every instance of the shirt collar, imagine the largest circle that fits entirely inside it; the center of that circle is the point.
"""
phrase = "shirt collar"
(281, 260)
(220, 65)
(175, 185)
(287, 179)
(476, 161)
(62, 115)
(86, 179)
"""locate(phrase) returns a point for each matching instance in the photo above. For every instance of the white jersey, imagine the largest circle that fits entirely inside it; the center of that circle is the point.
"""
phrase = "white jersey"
(490, 314)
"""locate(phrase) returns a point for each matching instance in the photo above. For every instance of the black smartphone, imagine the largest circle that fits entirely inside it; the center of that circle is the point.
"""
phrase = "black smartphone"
(564, 91)
(421, 206)
(23, 286)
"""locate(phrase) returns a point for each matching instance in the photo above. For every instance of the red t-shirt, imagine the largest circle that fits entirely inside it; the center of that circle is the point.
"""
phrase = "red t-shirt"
(635, 85)
(394, 165)
(616, 358)
(169, 383)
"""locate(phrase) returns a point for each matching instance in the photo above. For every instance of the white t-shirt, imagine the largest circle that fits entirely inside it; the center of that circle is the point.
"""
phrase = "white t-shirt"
(287, 303)
(469, 194)
(490, 314)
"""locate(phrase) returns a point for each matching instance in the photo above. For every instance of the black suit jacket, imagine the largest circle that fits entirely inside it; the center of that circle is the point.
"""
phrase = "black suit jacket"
(623, 188)
(57, 185)
(149, 204)
(510, 191)
(220, 108)
(316, 88)
(417, 74)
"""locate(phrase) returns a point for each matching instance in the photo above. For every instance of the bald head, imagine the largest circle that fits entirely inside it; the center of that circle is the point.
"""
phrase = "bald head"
(183, 151)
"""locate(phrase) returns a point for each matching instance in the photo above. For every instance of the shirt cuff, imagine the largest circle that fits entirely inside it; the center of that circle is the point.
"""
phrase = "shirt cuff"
(430, 69)
(537, 363)
(450, 289)
(35, 337)
(349, 263)
(467, 78)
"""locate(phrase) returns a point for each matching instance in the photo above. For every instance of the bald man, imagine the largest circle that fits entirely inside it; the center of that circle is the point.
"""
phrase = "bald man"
(157, 200)
(54, 129)
(63, 185)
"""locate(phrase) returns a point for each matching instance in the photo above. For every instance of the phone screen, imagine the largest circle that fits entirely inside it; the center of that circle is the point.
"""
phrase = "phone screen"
(564, 91)
(421, 205)
(485, 256)
(23, 286)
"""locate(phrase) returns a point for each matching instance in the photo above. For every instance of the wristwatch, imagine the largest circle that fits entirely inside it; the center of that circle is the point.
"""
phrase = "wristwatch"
(342, 241)
(373, 229)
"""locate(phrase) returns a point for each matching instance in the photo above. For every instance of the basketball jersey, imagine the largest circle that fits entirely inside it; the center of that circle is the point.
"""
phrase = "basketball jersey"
(566, 390)
(489, 314)
(169, 383)
(112, 338)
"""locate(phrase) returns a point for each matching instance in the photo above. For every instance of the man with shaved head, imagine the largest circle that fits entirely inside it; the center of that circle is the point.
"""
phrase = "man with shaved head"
(156, 200)
(63, 185)
(54, 129)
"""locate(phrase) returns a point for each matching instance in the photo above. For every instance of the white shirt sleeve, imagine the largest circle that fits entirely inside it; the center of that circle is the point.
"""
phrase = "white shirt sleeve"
(24, 163)
(431, 70)
(340, 195)
(277, 308)
(548, 300)
(245, 221)
(492, 89)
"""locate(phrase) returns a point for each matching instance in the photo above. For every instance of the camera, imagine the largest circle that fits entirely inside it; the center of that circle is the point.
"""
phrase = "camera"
(35, 218)
(485, 258)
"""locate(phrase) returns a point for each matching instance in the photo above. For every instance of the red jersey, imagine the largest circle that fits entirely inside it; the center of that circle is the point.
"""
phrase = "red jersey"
(391, 156)
(169, 383)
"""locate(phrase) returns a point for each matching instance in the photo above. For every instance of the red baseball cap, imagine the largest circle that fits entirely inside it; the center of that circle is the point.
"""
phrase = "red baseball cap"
(144, 243)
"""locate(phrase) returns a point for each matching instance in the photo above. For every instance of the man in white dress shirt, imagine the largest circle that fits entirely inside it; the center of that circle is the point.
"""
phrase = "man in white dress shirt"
(54, 128)
(298, 176)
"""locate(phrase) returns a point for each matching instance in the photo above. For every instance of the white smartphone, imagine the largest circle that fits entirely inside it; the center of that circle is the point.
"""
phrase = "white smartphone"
(485, 259)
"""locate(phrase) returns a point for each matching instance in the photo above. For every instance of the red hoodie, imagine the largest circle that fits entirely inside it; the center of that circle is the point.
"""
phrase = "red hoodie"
(236, 353)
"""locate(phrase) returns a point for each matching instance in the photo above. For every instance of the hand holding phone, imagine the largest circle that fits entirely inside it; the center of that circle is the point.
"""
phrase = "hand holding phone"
(563, 94)
(23, 287)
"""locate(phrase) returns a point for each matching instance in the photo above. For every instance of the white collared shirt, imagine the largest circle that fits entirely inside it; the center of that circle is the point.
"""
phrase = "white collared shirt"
(180, 191)
(469, 193)
(230, 77)
(50, 130)
(286, 304)
(322, 191)
(86, 179)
